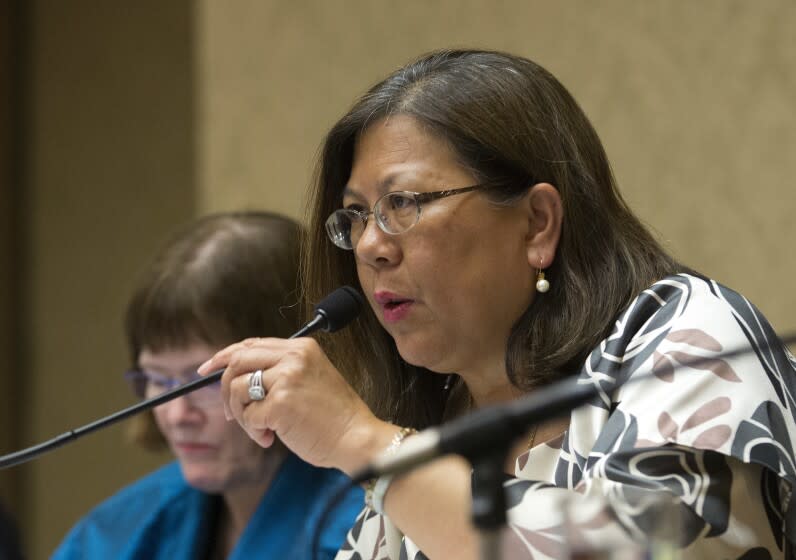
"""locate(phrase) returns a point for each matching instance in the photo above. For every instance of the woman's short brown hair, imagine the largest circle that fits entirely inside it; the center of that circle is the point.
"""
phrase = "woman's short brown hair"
(225, 277)
(510, 121)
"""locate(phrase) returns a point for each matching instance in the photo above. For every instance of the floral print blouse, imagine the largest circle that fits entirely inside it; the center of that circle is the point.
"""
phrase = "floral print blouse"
(712, 428)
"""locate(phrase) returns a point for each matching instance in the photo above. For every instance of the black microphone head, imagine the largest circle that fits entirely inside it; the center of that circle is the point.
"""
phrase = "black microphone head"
(339, 308)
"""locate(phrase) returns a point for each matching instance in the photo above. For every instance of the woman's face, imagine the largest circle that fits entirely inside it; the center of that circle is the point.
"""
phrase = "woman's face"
(449, 289)
(215, 455)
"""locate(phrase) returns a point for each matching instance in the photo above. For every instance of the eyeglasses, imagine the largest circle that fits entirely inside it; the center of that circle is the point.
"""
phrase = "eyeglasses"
(395, 212)
(147, 385)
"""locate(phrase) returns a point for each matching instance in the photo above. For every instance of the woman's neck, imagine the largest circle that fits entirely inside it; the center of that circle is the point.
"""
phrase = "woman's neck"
(493, 388)
(490, 387)
(241, 501)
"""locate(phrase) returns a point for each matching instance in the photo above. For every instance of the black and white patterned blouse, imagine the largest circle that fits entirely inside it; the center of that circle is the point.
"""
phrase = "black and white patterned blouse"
(716, 432)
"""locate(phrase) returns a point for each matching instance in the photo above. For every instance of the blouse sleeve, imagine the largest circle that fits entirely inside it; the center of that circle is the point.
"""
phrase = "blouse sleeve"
(704, 414)
(373, 536)
(712, 506)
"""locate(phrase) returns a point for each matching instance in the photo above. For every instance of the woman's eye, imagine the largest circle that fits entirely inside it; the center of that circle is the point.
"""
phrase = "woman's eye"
(355, 208)
(158, 382)
(401, 202)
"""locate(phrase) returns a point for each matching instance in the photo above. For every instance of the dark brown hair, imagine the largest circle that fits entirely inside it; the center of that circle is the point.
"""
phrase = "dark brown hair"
(508, 121)
(224, 278)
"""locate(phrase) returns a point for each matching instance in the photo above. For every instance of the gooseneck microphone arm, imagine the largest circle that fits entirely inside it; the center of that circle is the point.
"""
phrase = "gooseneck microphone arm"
(333, 313)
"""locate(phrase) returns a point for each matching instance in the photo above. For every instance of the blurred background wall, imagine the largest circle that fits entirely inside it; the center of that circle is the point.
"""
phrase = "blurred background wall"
(123, 120)
(8, 340)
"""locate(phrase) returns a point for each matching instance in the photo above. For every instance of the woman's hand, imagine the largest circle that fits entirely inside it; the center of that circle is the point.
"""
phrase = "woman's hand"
(318, 416)
(308, 404)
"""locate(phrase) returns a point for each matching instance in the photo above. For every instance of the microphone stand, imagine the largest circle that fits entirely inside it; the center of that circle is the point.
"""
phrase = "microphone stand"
(484, 438)
(489, 501)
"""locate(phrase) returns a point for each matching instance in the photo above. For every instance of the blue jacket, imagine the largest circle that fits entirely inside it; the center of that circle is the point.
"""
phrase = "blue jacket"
(161, 517)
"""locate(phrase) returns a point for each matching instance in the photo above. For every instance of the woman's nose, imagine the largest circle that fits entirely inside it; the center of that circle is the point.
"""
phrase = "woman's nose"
(182, 410)
(376, 247)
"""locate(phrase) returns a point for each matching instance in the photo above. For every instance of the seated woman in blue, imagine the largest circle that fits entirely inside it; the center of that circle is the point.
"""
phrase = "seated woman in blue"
(227, 277)
(9, 539)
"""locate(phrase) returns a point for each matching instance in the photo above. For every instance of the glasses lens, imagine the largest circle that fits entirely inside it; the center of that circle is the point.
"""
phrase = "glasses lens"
(137, 382)
(397, 211)
(344, 228)
(148, 385)
(338, 228)
(156, 384)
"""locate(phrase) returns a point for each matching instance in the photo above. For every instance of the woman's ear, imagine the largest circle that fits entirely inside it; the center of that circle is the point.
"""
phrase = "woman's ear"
(545, 215)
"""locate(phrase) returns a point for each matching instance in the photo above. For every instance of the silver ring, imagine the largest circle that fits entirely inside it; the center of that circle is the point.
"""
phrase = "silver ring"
(256, 390)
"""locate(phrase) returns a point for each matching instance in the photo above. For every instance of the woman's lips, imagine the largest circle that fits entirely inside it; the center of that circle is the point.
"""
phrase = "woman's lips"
(193, 447)
(394, 307)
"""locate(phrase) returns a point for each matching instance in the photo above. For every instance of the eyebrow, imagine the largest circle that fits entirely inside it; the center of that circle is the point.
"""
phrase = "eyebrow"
(382, 188)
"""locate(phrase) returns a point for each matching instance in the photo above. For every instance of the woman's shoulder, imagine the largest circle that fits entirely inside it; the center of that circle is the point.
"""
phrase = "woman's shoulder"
(692, 309)
(312, 488)
(686, 323)
(160, 486)
(118, 520)
(673, 295)
(693, 290)
(701, 367)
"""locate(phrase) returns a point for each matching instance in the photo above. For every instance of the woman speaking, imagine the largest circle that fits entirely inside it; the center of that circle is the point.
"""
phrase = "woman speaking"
(469, 198)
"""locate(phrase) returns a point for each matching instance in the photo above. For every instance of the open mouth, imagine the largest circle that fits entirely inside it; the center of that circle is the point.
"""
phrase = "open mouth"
(396, 303)
(394, 307)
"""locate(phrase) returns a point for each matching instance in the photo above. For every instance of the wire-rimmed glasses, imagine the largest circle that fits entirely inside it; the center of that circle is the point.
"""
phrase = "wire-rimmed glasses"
(395, 212)
(149, 384)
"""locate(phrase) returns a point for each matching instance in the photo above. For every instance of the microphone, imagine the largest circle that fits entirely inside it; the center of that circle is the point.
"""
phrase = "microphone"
(495, 427)
(332, 313)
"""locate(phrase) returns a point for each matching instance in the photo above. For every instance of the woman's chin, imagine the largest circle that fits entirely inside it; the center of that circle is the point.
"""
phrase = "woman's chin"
(203, 479)
(422, 356)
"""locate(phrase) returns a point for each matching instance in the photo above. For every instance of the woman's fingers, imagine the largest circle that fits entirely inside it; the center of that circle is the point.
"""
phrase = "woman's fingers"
(222, 358)
(237, 396)
(307, 403)
(241, 359)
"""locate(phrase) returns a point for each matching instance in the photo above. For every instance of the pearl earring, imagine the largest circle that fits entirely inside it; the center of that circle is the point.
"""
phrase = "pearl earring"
(542, 285)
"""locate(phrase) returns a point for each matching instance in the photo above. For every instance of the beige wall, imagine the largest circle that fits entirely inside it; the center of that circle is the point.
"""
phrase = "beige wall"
(694, 102)
(144, 114)
(8, 285)
(110, 172)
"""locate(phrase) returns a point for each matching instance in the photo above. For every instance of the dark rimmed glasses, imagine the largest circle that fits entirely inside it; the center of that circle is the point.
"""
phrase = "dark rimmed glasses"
(148, 384)
(395, 212)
